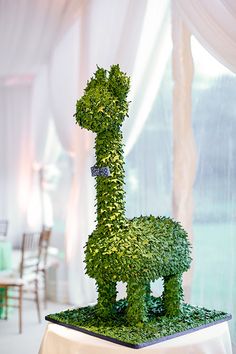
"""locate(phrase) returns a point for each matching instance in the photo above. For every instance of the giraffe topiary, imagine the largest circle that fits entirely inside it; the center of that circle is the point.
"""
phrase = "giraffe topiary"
(135, 251)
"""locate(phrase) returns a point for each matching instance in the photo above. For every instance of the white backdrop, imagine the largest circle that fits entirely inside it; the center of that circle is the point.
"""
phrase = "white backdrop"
(48, 51)
(15, 153)
(28, 33)
(213, 24)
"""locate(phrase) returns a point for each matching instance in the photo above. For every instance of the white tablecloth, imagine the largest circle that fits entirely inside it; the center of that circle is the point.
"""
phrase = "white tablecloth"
(61, 340)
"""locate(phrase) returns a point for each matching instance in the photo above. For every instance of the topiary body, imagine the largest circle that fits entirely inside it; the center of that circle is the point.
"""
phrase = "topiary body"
(135, 251)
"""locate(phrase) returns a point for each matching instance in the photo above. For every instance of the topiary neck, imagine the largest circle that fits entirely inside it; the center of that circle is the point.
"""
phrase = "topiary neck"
(110, 191)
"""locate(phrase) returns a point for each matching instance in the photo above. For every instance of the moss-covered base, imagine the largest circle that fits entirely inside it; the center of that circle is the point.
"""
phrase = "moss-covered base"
(157, 329)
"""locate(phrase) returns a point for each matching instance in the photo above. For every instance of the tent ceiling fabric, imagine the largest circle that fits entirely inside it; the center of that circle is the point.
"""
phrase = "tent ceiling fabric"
(213, 24)
(30, 29)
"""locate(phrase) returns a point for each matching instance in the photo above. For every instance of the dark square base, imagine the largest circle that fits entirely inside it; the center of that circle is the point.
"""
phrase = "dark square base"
(160, 328)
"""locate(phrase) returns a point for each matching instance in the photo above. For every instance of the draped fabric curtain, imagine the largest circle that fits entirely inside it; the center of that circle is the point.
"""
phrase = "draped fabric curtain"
(24, 123)
(30, 29)
(184, 149)
(28, 32)
(150, 63)
(213, 24)
(37, 139)
(15, 155)
(213, 116)
(214, 217)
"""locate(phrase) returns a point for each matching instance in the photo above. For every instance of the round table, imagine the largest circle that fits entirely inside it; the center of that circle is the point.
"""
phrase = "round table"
(61, 340)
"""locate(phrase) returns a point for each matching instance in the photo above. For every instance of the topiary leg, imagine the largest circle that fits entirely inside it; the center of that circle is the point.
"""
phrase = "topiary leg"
(106, 298)
(173, 295)
(136, 296)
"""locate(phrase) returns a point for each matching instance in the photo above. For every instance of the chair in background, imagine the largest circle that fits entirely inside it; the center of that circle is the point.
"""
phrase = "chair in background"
(27, 279)
(3, 228)
(43, 255)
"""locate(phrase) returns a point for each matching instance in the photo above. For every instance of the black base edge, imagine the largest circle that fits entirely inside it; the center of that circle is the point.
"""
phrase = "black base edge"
(144, 344)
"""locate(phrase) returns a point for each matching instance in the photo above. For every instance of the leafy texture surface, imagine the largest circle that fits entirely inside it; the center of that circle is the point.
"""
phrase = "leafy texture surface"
(159, 325)
(135, 251)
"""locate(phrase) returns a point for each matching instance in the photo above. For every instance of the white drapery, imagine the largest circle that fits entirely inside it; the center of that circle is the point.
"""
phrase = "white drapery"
(213, 24)
(37, 139)
(23, 137)
(150, 63)
(29, 30)
(214, 224)
(28, 33)
(15, 154)
(184, 149)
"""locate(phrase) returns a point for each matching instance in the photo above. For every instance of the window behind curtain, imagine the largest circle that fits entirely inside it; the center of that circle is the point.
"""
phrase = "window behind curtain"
(214, 122)
(149, 164)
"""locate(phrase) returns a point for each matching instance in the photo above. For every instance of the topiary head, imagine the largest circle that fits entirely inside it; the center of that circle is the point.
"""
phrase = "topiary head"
(104, 103)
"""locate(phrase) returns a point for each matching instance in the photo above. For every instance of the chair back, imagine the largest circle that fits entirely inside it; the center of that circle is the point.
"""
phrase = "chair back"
(29, 254)
(44, 244)
(3, 227)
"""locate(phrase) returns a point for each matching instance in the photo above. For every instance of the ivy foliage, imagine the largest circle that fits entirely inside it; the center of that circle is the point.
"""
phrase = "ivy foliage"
(104, 105)
(135, 251)
(173, 295)
(145, 248)
(158, 325)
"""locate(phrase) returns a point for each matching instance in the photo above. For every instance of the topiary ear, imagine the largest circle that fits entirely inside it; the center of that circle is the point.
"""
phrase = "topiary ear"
(101, 75)
(118, 83)
(99, 79)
